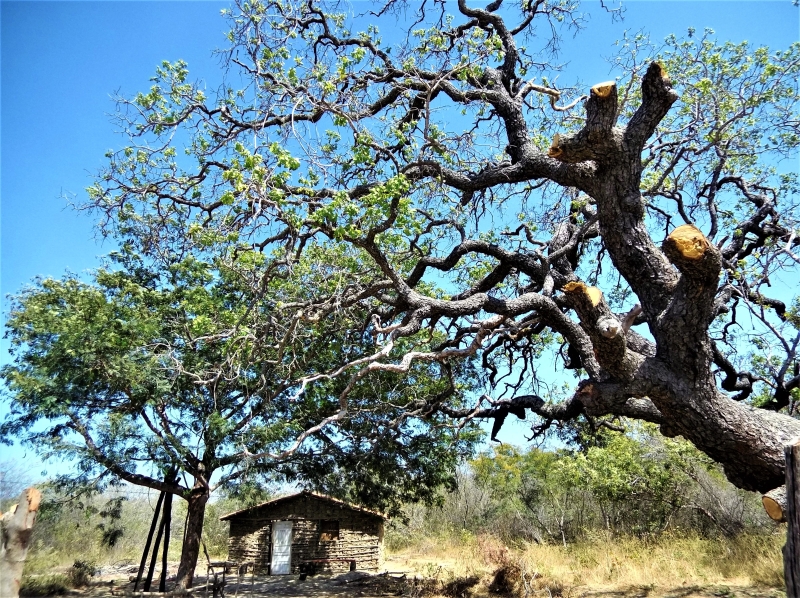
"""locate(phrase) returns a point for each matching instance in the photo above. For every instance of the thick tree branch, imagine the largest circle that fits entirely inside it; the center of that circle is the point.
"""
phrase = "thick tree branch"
(657, 98)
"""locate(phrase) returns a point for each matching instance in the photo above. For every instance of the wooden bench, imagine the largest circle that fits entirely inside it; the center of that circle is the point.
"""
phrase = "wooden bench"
(218, 585)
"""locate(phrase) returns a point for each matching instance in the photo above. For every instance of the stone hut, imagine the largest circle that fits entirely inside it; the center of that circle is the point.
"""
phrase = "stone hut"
(305, 532)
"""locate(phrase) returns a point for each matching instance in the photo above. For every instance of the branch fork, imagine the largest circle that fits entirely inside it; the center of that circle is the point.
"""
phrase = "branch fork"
(606, 331)
(598, 139)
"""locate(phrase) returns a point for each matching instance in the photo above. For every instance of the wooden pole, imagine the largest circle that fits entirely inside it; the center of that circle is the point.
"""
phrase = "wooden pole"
(167, 522)
(149, 541)
(154, 558)
(791, 552)
(16, 527)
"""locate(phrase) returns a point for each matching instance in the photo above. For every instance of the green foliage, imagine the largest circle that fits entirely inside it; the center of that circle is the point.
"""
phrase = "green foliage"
(110, 528)
(636, 484)
(178, 364)
(116, 363)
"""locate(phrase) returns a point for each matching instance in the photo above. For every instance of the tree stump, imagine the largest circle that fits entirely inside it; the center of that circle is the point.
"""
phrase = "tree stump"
(17, 526)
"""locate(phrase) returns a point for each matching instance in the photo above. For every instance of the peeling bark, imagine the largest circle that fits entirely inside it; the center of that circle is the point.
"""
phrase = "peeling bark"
(17, 526)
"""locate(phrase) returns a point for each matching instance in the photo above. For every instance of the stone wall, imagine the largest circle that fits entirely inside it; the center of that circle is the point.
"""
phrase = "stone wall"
(360, 534)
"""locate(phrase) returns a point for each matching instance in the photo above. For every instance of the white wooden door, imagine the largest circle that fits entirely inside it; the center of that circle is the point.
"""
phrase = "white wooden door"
(281, 548)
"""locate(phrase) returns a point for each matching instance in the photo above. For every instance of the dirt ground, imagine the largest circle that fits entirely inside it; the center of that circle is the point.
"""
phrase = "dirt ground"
(680, 592)
(334, 586)
(328, 586)
(360, 584)
(404, 578)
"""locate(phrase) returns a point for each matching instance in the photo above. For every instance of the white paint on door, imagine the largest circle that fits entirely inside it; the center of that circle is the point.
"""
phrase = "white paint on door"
(281, 563)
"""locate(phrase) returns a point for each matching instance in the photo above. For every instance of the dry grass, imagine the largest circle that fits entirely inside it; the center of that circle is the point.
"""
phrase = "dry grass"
(668, 562)
(667, 566)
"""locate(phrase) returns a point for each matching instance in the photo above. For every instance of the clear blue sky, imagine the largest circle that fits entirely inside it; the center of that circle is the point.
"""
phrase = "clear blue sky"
(62, 62)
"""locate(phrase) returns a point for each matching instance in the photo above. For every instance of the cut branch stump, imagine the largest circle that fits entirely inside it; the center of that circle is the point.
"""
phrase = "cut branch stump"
(774, 503)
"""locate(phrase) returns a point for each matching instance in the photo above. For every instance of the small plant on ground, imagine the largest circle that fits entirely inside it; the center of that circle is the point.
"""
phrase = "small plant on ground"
(81, 573)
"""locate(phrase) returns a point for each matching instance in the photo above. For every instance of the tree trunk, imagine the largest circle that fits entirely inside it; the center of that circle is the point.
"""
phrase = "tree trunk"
(194, 528)
(17, 526)
(791, 552)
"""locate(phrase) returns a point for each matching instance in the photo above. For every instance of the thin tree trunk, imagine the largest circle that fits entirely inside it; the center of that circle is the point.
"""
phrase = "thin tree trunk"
(194, 529)
(167, 522)
(149, 541)
(791, 552)
(16, 527)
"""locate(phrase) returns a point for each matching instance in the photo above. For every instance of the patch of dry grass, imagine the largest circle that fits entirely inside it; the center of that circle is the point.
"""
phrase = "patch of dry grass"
(666, 566)
(668, 561)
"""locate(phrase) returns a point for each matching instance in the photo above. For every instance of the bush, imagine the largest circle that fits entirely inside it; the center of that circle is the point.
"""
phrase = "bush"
(81, 573)
(459, 587)
(506, 579)
(492, 550)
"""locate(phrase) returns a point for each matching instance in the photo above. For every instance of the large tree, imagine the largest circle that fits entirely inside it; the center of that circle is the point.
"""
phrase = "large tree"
(646, 228)
(173, 375)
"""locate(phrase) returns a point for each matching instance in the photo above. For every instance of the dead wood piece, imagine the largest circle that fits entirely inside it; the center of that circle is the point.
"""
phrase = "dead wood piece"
(555, 151)
(603, 90)
(609, 327)
(774, 503)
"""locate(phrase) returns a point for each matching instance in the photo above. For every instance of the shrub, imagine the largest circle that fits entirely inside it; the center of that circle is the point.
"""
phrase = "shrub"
(81, 573)
(492, 550)
(459, 587)
(506, 579)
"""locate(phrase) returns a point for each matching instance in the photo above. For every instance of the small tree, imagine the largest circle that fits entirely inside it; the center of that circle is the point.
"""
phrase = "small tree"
(145, 370)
